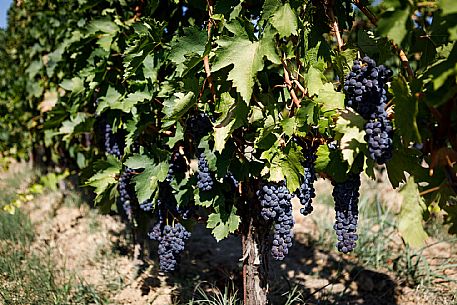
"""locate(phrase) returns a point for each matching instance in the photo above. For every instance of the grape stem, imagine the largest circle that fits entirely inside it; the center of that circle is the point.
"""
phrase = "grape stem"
(289, 85)
(403, 58)
(334, 24)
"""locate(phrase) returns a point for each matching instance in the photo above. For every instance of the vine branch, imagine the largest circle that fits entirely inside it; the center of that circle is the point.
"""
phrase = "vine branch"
(289, 86)
(334, 24)
(206, 58)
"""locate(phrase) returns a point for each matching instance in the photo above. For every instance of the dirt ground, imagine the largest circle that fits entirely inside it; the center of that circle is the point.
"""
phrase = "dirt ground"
(98, 249)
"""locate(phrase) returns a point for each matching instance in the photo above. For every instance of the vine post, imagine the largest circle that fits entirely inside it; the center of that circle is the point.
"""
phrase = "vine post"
(254, 234)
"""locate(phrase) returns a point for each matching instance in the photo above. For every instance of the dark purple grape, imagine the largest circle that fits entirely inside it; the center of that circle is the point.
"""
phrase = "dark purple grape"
(125, 196)
(306, 192)
(111, 144)
(275, 200)
(205, 181)
(366, 94)
(346, 196)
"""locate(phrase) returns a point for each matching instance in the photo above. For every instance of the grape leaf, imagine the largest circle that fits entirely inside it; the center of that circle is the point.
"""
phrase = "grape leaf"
(448, 7)
(351, 135)
(285, 21)
(235, 117)
(406, 109)
(175, 108)
(410, 217)
(247, 58)
(105, 177)
(222, 228)
(313, 81)
(193, 42)
(393, 24)
(329, 98)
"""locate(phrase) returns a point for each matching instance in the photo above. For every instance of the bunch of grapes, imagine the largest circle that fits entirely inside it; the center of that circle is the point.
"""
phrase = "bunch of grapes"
(346, 196)
(275, 200)
(306, 192)
(171, 238)
(365, 93)
(124, 194)
(205, 181)
(178, 165)
(199, 126)
(111, 145)
(171, 244)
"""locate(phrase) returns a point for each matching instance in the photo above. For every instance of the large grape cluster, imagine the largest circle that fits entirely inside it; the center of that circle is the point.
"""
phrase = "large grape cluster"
(124, 194)
(111, 145)
(205, 181)
(346, 196)
(275, 200)
(171, 243)
(171, 238)
(365, 93)
(306, 192)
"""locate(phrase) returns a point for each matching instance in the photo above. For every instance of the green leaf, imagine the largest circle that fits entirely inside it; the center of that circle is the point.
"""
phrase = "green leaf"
(147, 182)
(351, 135)
(285, 21)
(221, 228)
(102, 25)
(314, 81)
(112, 98)
(329, 98)
(75, 85)
(138, 161)
(448, 7)
(247, 58)
(192, 43)
(331, 162)
(393, 24)
(233, 118)
(179, 135)
(406, 110)
(410, 217)
(105, 177)
(175, 108)
(150, 69)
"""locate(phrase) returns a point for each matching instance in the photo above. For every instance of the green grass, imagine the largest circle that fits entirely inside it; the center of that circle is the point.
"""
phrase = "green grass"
(27, 277)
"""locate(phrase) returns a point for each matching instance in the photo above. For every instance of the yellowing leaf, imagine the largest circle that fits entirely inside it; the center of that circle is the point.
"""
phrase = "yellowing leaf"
(410, 217)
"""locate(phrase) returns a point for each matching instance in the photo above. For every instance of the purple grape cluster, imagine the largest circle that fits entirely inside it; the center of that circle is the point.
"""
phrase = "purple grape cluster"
(365, 93)
(124, 195)
(306, 192)
(205, 181)
(275, 200)
(178, 165)
(171, 243)
(199, 126)
(111, 145)
(171, 238)
(346, 196)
